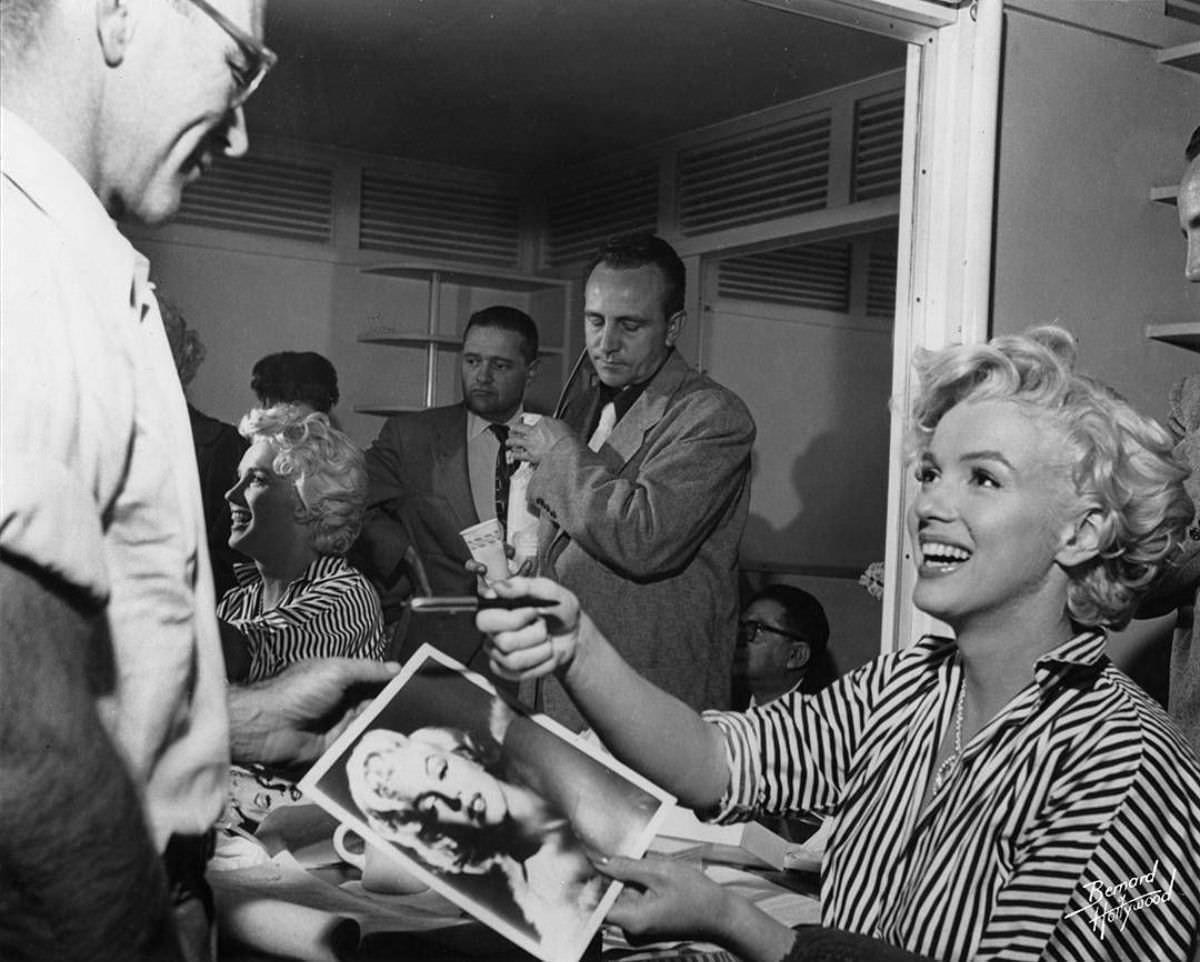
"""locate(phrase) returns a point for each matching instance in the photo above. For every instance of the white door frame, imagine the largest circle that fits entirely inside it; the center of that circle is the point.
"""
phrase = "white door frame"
(943, 283)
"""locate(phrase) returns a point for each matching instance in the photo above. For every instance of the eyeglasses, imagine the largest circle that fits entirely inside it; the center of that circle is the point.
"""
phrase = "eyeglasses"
(750, 630)
(258, 60)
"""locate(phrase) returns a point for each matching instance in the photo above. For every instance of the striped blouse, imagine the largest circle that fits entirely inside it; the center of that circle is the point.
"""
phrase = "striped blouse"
(1070, 830)
(329, 610)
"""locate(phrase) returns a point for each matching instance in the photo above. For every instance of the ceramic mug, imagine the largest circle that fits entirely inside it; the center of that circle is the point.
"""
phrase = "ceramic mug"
(381, 872)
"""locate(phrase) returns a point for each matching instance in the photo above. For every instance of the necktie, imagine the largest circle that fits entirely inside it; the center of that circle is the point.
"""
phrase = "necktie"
(608, 418)
(503, 472)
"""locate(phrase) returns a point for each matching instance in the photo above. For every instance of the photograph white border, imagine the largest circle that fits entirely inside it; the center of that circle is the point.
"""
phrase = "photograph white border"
(323, 783)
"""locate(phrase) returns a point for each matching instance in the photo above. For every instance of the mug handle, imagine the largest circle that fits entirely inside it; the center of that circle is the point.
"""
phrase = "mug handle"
(357, 859)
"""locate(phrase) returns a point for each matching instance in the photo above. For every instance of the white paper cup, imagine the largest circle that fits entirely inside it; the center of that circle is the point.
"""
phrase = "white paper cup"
(380, 872)
(486, 544)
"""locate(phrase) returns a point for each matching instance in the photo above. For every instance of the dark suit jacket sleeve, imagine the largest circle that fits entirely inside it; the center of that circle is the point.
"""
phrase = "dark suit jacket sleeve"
(380, 549)
(1177, 586)
(651, 522)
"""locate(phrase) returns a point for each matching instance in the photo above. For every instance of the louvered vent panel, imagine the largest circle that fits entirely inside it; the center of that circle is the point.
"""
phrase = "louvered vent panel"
(881, 278)
(262, 195)
(584, 212)
(816, 276)
(475, 223)
(756, 176)
(878, 145)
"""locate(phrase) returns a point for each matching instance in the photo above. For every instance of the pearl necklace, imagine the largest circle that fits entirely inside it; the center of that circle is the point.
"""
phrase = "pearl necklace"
(946, 769)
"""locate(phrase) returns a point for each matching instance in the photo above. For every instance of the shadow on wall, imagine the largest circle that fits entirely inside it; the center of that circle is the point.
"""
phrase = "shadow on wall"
(841, 490)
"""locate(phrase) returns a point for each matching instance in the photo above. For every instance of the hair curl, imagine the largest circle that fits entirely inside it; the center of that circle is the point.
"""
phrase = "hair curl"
(327, 469)
(1121, 462)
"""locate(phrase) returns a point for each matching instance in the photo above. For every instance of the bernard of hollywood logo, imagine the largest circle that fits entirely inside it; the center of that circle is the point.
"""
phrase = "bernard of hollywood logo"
(1110, 904)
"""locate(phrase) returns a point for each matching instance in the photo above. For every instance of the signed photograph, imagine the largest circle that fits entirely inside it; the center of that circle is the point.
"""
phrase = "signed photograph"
(496, 808)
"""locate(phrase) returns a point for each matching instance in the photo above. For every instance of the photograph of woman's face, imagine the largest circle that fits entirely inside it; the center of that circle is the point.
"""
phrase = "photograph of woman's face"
(488, 804)
(428, 775)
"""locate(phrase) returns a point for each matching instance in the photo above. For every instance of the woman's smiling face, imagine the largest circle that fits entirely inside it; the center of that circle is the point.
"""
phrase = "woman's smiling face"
(993, 508)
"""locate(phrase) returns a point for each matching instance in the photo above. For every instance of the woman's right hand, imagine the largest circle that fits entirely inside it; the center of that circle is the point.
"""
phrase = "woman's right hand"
(529, 642)
(670, 899)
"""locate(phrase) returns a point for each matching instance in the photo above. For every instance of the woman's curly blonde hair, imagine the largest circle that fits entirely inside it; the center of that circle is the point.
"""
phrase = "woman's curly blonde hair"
(327, 469)
(1120, 462)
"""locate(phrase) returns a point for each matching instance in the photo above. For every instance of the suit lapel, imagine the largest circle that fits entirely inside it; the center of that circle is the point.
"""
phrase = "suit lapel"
(647, 410)
(450, 472)
(626, 440)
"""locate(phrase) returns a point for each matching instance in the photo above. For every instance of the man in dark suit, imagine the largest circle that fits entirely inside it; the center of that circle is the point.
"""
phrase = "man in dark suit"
(643, 485)
(434, 472)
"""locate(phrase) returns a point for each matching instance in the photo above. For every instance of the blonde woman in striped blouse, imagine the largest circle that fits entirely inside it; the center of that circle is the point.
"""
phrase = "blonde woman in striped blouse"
(296, 508)
(1000, 794)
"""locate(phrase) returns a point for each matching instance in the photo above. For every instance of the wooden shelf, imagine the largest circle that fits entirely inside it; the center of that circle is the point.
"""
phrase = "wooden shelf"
(1188, 10)
(1185, 334)
(1167, 194)
(407, 338)
(384, 409)
(433, 340)
(497, 279)
(417, 339)
(1186, 56)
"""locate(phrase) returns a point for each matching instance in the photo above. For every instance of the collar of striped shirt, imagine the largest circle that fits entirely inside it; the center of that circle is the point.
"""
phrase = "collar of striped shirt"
(246, 572)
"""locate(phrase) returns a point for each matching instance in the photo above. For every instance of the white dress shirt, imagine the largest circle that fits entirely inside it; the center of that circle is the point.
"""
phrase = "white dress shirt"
(482, 447)
(98, 478)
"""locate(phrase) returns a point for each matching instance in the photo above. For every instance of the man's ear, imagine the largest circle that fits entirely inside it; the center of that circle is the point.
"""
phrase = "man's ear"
(532, 370)
(1081, 539)
(798, 656)
(674, 325)
(114, 28)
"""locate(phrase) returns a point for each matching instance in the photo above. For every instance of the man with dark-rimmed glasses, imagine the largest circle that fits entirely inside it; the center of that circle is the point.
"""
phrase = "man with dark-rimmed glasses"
(783, 644)
(113, 727)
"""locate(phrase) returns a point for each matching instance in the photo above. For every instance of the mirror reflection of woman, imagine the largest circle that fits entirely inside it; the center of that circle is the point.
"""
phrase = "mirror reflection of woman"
(296, 508)
(447, 800)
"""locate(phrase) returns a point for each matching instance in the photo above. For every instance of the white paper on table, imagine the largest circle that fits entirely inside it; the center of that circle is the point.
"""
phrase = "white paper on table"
(782, 904)
(283, 881)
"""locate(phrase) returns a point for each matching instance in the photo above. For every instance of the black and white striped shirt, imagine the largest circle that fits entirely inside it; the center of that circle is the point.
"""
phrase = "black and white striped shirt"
(331, 609)
(1079, 785)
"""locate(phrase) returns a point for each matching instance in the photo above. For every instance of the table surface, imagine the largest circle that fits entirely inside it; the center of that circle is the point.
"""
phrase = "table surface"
(266, 913)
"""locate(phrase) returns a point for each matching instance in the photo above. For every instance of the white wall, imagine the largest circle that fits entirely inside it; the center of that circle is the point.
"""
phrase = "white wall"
(246, 304)
(1088, 124)
(817, 384)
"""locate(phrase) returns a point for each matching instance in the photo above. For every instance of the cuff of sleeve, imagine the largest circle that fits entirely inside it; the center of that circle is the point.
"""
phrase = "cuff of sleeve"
(734, 805)
(548, 471)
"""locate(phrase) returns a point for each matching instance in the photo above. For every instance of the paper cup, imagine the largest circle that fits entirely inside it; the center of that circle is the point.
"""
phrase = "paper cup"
(485, 541)
(380, 872)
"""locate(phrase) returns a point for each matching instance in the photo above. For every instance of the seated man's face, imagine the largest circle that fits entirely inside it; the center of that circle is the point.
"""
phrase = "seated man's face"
(762, 651)
(494, 372)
